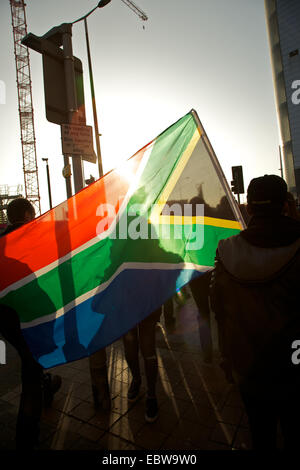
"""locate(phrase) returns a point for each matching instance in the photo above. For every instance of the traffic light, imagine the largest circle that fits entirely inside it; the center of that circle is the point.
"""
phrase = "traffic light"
(234, 187)
(237, 184)
(55, 85)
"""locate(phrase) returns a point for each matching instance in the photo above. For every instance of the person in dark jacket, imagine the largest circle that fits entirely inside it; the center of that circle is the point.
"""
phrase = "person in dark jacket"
(38, 388)
(254, 294)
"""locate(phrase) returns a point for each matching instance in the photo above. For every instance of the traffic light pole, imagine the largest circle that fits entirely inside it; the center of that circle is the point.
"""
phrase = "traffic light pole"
(60, 69)
(71, 102)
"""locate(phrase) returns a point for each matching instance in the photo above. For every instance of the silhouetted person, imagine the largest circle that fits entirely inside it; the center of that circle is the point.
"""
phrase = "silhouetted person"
(200, 290)
(255, 298)
(38, 388)
(169, 314)
(143, 337)
(73, 340)
(143, 290)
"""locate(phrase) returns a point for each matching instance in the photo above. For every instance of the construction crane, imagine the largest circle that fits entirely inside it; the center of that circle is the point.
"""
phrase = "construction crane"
(7, 193)
(25, 105)
(136, 9)
(23, 73)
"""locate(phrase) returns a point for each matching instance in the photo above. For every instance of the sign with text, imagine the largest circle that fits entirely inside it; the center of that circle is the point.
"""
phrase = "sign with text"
(78, 140)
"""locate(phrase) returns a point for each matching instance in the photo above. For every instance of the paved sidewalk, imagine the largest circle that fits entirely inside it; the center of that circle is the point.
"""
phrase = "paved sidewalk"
(197, 408)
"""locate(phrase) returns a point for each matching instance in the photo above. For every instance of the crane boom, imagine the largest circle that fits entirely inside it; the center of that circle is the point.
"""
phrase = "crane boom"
(136, 9)
(30, 168)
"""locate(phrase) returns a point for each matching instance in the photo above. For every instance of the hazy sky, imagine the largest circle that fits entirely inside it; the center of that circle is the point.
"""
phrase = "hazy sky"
(210, 55)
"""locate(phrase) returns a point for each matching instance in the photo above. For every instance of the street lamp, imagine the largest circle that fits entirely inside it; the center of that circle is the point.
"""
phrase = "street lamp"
(48, 180)
(101, 4)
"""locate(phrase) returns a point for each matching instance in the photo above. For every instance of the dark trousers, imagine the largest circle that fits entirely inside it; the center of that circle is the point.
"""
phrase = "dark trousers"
(169, 311)
(200, 291)
(31, 400)
(264, 415)
(143, 337)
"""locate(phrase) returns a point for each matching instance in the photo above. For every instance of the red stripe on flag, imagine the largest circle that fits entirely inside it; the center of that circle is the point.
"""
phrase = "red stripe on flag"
(64, 228)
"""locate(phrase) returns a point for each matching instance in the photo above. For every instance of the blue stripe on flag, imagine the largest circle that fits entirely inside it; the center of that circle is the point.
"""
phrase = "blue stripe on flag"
(101, 320)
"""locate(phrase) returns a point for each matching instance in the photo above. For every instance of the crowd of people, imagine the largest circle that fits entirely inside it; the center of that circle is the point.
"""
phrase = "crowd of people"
(252, 291)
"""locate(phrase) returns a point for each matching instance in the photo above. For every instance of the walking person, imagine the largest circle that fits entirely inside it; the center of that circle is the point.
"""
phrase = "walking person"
(38, 388)
(254, 295)
(143, 337)
(200, 291)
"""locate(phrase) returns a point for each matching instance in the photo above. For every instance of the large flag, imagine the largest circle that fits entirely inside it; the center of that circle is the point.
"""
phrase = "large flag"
(86, 272)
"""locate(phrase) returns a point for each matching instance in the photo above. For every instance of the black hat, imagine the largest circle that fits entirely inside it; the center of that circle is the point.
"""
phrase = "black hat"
(267, 190)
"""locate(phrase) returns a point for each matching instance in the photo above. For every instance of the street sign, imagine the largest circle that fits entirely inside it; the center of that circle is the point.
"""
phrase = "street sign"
(78, 140)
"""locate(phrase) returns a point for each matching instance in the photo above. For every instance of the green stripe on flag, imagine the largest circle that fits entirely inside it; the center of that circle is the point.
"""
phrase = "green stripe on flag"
(87, 270)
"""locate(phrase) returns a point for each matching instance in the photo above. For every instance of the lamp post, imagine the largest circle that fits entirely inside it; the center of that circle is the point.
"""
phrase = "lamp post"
(48, 181)
(101, 4)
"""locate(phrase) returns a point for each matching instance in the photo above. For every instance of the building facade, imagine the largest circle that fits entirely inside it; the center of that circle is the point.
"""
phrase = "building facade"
(283, 24)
